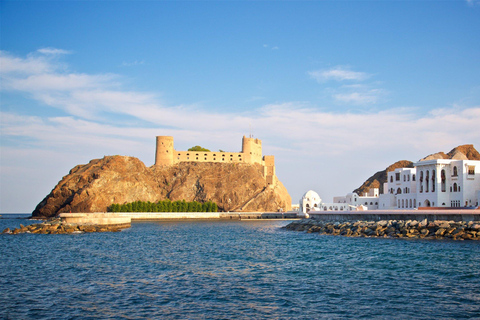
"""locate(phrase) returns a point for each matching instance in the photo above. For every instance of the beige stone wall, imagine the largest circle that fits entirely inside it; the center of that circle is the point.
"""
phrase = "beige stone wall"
(166, 155)
(197, 156)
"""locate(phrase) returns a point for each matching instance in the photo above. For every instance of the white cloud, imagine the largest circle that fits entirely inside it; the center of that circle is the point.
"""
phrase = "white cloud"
(312, 147)
(30, 65)
(338, 73)
(53, 51)
(131, 64)
(363, 97)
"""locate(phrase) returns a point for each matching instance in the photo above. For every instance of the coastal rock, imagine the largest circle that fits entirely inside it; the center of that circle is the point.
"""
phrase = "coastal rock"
(60, 227)
(117, 179)
(410, 229)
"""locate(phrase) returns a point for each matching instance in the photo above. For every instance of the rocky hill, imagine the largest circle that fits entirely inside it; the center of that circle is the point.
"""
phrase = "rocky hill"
(463, 152)
(118, 179)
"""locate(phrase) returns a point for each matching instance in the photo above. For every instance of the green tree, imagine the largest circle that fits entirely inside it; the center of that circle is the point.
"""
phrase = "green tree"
(198, 148)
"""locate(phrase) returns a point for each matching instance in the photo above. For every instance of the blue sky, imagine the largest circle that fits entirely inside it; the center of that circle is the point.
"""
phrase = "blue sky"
(336, 90)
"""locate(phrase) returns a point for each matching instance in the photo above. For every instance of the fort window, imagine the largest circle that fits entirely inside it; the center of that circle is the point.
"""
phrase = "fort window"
(214, 159)
(205, 158)
(214, 155)
(197, 158)
(196, 154)
(188, 154)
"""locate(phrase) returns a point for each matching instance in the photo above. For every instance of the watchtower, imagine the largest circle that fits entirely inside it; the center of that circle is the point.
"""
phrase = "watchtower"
(252, 150)
(165, 151)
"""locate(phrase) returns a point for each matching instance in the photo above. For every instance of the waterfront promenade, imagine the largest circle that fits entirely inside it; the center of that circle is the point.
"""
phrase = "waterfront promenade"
(118, 218)
(376, 215)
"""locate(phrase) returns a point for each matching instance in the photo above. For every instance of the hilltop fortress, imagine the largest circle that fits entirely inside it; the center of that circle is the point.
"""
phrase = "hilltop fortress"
(251, 153)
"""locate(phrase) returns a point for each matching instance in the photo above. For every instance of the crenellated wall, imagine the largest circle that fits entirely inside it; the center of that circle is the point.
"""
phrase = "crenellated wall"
(166, 155)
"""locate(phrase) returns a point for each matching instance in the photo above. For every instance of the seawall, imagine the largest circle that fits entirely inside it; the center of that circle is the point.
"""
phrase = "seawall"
(122, 218)
(377, 215)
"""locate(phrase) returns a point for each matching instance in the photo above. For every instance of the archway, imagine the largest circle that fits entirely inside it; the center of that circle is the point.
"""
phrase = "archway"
(426, 203)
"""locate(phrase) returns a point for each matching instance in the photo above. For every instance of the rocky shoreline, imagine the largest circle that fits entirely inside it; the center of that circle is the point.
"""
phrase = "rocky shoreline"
(411, 229)
(57, 226)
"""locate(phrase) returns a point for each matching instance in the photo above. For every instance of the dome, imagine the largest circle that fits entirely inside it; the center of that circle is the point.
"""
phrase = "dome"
(311, 195)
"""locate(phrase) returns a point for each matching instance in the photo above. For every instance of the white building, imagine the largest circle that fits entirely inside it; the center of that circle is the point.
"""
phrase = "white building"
(431, 183)
(311, 201)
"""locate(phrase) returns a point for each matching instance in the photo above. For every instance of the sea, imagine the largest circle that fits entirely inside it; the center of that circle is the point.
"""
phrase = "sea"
(233, 270)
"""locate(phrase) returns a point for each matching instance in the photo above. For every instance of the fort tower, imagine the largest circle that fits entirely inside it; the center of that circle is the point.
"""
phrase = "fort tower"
(164, 152)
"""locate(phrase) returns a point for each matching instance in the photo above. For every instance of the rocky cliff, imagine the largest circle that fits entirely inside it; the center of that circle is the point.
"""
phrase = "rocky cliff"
(463, 152)
(117, 179)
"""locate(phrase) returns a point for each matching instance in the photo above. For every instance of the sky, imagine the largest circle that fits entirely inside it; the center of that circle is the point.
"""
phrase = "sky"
(336, 90)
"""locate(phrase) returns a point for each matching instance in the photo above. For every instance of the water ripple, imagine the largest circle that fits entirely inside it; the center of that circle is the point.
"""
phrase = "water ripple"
(234, 270)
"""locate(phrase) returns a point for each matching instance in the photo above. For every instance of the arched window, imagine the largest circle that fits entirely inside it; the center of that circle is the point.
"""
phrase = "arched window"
(427, 177)
(455, 171)
(391, 178)
(410, 203)
(455, 187)
(403, 203)
(399, 191)
(398, 203)
(433, 180)
(442, 177)
(421, 176)
(413, 177)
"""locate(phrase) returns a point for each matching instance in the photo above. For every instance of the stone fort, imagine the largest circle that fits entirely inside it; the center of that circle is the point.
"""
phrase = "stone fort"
(251, 153)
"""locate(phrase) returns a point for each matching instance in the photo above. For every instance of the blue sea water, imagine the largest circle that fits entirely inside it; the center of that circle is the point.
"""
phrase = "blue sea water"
(234, 270)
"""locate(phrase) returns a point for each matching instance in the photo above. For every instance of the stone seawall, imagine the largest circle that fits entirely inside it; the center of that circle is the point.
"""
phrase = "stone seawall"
(100, 218)
(424, 229)
(377, 215)
(138, 216)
